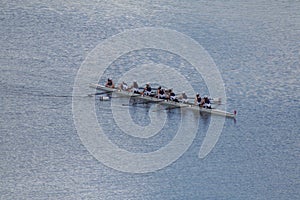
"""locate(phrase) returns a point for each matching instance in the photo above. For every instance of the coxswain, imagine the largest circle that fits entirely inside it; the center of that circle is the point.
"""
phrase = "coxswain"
(160, 93)
(147, 90)
(206, 102)
(109, 83)
(197, 100)
(183, 97)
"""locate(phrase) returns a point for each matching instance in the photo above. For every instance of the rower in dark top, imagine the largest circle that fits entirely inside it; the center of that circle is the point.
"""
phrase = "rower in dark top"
(197, 100)
(160, 93)
(206, 102)
(147, 90)
(109, 83)
(172, 96)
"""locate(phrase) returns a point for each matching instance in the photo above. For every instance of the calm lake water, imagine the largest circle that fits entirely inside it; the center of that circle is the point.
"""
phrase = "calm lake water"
(255, 47)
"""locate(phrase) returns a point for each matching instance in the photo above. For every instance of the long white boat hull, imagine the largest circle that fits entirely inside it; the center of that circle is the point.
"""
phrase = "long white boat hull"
(164, 102)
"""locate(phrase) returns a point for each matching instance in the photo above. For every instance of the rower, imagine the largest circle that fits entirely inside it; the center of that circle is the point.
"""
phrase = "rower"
(147, 90)
(183, 97)
(206, 102)
(134, 87)
(197, 100)
(172, 96)
(160, 93)
(109, 83)
(123, 86)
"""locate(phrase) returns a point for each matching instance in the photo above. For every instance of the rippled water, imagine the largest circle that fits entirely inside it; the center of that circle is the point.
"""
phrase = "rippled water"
(255, 47)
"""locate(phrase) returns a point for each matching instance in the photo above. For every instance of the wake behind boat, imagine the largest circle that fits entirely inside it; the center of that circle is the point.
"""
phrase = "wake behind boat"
(186, 105)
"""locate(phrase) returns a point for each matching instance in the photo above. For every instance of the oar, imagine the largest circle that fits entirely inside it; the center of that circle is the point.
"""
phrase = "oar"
(134, 105)
(141, 88)
(99, 93)
(57, 96)
(170, 107)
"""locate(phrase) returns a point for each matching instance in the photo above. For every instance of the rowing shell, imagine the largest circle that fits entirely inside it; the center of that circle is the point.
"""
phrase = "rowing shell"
(165, 102)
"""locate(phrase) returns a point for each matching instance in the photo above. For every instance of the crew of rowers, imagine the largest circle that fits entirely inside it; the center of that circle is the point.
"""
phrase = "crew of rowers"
(160, 93)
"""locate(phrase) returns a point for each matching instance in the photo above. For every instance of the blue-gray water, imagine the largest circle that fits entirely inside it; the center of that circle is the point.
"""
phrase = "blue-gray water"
(255, 47)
